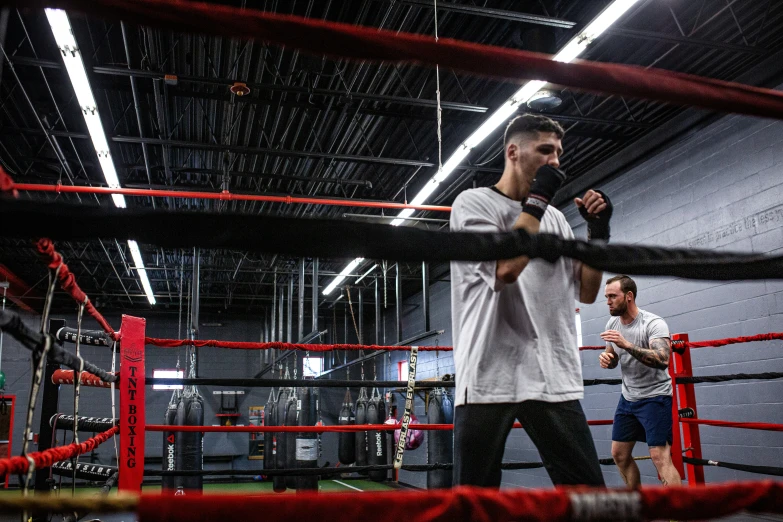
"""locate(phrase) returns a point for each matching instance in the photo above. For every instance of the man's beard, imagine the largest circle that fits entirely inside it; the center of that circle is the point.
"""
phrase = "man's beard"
(619, 310)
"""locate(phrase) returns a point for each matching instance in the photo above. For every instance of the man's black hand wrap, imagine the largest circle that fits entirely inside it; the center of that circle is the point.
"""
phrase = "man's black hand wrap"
(546, 183)
(598, 224)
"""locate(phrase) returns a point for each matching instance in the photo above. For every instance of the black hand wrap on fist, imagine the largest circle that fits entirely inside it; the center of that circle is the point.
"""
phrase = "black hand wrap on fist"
(546, 183)
(598, 224)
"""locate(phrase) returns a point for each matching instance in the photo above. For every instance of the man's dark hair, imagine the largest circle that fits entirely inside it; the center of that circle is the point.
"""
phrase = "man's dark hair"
(530, 124)
(626, 284)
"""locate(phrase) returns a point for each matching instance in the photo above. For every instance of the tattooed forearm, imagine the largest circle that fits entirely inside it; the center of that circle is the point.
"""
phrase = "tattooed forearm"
(656, 356)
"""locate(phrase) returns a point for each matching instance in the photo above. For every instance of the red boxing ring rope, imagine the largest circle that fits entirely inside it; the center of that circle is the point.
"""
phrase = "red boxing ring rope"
(321, 37)
(735, 340)
(728, 424)
(45, 459)
(53, 259)
(349, 428)
(238, 345)
(483, 505)
(222, 196)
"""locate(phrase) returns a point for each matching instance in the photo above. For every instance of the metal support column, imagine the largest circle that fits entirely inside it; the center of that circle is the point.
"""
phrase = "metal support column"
(49, 407)
(377, 313)
(315, 295)
(361, 316)
(300, 301)
(398, 298)
(425, 294)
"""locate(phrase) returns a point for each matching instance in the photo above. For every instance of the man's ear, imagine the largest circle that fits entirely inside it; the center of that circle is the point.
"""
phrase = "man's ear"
(512, 151)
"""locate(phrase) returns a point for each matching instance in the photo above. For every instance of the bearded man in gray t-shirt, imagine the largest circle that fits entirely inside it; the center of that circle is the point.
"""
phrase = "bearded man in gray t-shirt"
(639, 342)
(515, 350)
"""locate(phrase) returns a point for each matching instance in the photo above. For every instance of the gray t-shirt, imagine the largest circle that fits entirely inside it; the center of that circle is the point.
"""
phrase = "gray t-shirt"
(513, 342)
(641, 381)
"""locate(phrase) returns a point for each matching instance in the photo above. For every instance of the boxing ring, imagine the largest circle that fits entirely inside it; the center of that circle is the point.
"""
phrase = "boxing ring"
(60, 222)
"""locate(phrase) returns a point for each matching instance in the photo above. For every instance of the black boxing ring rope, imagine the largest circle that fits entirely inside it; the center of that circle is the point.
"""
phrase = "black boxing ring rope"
(322, 238)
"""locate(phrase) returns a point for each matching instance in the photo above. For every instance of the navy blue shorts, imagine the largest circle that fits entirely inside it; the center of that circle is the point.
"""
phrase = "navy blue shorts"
(646, 420)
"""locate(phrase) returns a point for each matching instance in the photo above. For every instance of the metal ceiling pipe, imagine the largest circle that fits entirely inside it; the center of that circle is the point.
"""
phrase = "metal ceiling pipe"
(136, 106)
(225, 196)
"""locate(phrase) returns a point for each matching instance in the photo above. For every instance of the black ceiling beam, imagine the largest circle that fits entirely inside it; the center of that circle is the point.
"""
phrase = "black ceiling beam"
(235, 149)
(493, 13)
(227, 82)
(266, 175)
(685, 40)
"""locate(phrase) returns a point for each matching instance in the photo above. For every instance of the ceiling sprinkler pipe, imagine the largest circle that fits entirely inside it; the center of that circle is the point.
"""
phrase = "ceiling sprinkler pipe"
(224, 196)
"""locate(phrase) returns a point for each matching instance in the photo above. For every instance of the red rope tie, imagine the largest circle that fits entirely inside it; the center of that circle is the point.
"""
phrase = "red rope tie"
(86, 379)
(67, 280)
(45, 459)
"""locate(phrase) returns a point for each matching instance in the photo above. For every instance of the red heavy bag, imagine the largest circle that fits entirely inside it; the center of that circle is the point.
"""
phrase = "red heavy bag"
(413, 439)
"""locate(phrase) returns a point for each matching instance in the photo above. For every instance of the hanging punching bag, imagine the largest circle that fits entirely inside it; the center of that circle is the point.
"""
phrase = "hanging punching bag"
(270, 419)
(306, 443)
(290, 442)
(169, 483)
(195, 417)
(346, 445)
(280, 440)
(361, 436)
(440, 444)
(376, 440)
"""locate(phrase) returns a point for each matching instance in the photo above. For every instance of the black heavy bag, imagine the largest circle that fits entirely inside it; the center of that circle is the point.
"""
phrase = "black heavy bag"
(169, 483)
(193, 451)
(270, 419)
(361, 436)
(278, 483)
(346, 445)
(440, 444)
(306, 443)
(376, 440)
(290, 439)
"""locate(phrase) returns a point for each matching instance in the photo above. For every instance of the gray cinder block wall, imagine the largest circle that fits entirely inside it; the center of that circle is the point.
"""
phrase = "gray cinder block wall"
(721, 189)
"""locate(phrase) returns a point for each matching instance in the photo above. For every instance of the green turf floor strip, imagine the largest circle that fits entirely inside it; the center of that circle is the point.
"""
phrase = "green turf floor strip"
(326, 486)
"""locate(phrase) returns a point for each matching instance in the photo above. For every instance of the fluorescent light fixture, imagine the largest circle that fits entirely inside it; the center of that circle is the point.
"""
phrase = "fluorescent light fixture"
(424, 193)
(74, 65)
(339, 279)
(367, 272)
(139, 266)
(571, 51)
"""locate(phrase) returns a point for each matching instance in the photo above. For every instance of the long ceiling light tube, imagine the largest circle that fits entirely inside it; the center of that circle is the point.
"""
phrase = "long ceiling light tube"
(74, 65)
(572, 50)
